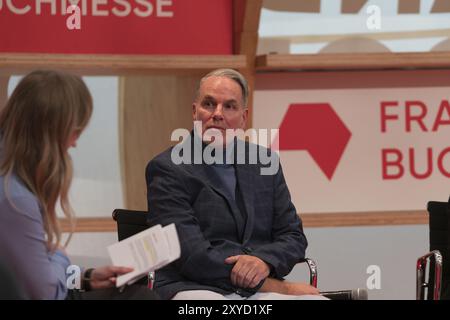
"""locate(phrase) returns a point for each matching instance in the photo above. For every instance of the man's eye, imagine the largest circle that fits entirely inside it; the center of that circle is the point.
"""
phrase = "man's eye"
(208, 103)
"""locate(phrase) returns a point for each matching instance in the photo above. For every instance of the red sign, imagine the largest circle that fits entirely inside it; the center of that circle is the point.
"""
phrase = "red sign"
(116, 26)
(317, 128)
(414, 115)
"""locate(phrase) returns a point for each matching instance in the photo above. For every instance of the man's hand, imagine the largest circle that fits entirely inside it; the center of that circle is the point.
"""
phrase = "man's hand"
(105, 277)
(248, 271)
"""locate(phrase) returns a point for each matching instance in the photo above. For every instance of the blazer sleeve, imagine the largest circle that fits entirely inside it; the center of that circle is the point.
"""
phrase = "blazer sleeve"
(289, 243)
(169, 201)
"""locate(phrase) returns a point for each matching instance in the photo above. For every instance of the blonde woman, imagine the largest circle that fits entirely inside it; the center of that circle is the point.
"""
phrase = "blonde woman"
(42, 119)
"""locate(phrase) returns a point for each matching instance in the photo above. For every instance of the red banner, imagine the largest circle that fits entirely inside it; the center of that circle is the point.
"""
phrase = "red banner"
(117, 26)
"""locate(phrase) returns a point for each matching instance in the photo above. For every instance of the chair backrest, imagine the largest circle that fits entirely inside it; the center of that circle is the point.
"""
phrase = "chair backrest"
(439, 215)
(129, 222)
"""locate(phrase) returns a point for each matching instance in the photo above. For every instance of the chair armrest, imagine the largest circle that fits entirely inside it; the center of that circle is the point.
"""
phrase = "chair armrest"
(313, 273)
(151, 280)
(436, 257)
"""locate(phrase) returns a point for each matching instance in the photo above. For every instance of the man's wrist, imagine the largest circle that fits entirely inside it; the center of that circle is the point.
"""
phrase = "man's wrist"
(275, 285)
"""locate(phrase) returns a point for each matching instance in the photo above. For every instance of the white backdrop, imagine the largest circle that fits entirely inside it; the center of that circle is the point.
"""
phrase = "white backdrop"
(357, 183)
(96, 188)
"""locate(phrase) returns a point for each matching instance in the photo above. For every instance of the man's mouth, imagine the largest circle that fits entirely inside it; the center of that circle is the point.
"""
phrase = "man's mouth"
(215, 127)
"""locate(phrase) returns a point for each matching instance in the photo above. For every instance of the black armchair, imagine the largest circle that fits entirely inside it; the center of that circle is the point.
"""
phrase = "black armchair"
(130, 222)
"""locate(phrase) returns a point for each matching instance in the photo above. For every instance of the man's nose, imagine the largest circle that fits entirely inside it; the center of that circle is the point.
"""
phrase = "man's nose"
(218, 112)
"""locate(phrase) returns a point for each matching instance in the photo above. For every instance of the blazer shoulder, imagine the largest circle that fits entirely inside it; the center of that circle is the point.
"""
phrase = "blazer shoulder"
(159, 161)
(256, 151)
(163, 156)
(164, 162)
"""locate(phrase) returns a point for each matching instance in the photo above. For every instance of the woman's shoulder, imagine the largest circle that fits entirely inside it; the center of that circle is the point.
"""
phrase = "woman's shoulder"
(14, 195)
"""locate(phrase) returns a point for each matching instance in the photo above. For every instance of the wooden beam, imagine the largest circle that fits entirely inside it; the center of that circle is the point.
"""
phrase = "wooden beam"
(310, 6)
(354, 61)
(441, 6)
(246, 25)
(310, 220)
(4, 80)
(409, 6)
(95, 224)
(21, 63)
(359, 219)
(352, 6)
(399, 35)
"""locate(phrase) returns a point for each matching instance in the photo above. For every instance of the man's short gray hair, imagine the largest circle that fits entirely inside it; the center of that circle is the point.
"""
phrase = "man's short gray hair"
(230, 74)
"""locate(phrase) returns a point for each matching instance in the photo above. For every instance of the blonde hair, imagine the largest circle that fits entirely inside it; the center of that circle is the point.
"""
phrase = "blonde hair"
(44, 111)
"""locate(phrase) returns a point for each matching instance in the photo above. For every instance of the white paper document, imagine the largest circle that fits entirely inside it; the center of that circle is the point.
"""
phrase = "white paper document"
(146, 251)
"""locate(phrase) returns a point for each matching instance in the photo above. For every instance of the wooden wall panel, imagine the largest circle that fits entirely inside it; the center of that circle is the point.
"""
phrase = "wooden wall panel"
(150, 108)
(3, 90)
(352, 6)
(311, 6)
(310, 220)
(114, 64)
(440, 6)
(246, 25)
(354, 61)
(409, 6)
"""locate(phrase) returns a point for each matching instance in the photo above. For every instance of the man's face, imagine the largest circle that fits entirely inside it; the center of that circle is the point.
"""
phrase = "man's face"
(220, 105)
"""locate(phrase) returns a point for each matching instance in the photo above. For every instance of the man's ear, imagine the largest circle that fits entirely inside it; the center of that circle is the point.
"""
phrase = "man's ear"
(244, 118)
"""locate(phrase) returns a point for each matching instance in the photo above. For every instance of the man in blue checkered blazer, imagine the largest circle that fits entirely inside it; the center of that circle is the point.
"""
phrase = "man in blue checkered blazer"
(239, 231)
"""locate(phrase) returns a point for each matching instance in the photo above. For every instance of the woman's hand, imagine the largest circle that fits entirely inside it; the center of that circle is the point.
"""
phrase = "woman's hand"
(105, 277)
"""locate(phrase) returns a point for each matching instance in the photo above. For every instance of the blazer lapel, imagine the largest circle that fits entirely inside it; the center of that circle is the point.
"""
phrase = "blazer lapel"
(206, 173)
(203, 171)
(214, 181)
